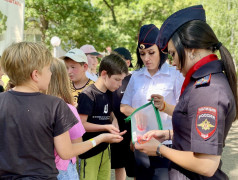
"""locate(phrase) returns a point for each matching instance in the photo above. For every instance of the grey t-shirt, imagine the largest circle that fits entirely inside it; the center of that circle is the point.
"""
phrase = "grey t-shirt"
(28, 124)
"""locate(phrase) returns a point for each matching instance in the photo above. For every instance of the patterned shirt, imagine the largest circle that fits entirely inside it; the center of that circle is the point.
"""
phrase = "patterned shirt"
(76, 91)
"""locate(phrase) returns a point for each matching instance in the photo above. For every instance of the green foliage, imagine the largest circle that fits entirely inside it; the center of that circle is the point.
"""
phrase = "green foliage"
(75, 22)
(222, 17)
(3, 20)
(116, 23)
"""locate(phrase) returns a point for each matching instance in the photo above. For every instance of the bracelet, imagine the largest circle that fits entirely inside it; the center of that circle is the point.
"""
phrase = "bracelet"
(93, 142)
(163, 107)
(169, 135)
(158, 150)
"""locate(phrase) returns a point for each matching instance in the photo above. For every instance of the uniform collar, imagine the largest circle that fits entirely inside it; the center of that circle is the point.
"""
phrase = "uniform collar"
(196, 66)
(209, 68)
(163, 70)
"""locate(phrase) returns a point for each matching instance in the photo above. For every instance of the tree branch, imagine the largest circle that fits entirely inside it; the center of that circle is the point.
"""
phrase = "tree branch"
(112, 10)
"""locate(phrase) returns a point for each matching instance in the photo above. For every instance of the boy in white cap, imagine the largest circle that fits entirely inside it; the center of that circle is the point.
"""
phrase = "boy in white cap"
(92, 56)
(77, 64)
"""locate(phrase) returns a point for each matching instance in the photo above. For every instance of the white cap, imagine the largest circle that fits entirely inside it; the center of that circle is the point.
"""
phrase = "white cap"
(76, 55)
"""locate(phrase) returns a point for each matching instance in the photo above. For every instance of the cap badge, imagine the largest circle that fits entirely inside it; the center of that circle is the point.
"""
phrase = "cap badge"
(142, 46)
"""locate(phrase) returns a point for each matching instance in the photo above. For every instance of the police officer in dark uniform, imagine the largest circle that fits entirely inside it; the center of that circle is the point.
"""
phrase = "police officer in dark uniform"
(208, 101)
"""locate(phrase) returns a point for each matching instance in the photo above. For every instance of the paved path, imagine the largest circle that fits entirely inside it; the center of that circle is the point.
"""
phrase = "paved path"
(229, 156)
(230, 153)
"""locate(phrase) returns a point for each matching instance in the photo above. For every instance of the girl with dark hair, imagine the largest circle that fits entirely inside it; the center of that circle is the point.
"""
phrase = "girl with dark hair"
(208, 102)
(154, 78)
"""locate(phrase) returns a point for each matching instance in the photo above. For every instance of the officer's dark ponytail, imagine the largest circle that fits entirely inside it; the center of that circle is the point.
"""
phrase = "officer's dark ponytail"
(230, 72)
(199, 35)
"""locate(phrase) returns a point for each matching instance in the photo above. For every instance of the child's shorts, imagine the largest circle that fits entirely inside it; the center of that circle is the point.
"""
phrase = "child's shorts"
(70, 174)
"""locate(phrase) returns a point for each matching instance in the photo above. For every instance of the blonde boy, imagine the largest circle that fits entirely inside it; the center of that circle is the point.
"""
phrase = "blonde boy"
(32, 124)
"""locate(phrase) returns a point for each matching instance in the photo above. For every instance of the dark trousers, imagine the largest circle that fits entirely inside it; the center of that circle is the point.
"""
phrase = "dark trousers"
(151, 168)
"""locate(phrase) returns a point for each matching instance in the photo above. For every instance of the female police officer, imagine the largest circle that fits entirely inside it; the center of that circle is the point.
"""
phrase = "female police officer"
(208, 101)
(154, 76)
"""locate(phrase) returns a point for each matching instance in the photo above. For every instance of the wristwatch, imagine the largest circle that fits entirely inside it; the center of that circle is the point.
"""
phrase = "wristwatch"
(157, 151)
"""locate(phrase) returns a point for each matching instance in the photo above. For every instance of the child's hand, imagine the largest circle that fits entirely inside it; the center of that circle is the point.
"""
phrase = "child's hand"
(112, 129)
(123, 132)
(111, 138)
(157, 134)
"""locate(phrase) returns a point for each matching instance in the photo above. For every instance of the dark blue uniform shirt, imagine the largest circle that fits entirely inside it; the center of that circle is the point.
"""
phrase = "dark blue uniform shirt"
(203, 117)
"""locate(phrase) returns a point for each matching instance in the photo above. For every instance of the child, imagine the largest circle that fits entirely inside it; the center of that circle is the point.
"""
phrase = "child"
(32, 124)
(122, 158)
(59, 86)
(95, 109)
(77, 64)
(92, 56)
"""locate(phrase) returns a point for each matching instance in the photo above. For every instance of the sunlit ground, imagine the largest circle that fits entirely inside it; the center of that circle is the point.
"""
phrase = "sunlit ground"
(230, 153)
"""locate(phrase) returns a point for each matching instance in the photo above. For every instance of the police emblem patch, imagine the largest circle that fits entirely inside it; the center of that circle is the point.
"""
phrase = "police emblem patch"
(206, 121)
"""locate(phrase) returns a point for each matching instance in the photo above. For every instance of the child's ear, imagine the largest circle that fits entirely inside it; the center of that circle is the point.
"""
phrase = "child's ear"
(128, 62)
(34, 75)
(85, 67)
(103, 74)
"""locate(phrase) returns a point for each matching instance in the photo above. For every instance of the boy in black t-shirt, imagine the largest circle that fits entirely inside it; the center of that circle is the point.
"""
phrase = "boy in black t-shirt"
(32, 124)
(95, 110)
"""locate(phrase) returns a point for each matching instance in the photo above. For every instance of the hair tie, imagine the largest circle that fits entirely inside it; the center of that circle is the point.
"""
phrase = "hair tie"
(218, 45)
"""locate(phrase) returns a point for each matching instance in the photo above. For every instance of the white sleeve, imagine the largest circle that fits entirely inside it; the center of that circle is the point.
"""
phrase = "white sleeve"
(178, 85)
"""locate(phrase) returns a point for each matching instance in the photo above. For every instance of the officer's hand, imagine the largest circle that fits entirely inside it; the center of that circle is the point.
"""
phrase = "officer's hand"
(149, 147)
(158, 101)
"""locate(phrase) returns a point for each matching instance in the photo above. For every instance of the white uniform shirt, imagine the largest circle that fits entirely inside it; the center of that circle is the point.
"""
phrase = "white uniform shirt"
(91, 76)
(167, 82)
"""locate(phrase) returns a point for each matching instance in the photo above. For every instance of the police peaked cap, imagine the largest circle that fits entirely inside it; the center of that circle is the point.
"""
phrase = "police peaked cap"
(173, 22)
(148, 36)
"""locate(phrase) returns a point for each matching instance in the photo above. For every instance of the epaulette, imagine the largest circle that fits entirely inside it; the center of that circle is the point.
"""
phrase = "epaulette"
(203, 81)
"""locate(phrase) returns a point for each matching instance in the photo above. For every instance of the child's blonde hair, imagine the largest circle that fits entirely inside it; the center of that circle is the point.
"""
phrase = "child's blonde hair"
(59, 84)
(19, 60)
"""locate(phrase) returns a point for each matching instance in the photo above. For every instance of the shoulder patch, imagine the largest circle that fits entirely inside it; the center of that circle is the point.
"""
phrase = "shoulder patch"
(203, 81)
(206, 121)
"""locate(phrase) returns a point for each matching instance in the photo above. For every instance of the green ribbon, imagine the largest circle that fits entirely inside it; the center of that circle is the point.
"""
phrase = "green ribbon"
(157, 114)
